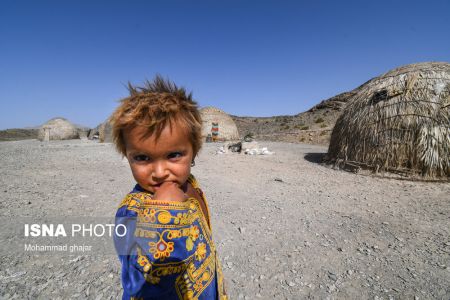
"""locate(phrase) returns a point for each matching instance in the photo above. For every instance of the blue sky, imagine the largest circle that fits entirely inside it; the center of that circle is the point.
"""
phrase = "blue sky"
(252, 58)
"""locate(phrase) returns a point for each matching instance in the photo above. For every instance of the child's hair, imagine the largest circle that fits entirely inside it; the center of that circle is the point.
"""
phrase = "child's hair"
(157, 104)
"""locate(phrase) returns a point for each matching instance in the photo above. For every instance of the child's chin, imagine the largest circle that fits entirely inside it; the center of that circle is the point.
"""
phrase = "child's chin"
(149, 189)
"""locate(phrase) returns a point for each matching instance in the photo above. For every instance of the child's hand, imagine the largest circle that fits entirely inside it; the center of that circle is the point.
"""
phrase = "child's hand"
(170, 191)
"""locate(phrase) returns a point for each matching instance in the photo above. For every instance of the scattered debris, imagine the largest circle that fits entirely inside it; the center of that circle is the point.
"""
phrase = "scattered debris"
(221, 150)
(237, 147)
(248, 137)
(250, 148)
(258, 151)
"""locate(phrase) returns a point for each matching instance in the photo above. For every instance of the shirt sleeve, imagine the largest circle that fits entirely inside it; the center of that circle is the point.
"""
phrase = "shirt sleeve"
(132, 275)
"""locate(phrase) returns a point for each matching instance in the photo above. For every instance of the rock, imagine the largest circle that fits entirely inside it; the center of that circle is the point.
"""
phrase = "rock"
(331, 288)
(291, 284)
(332, 276)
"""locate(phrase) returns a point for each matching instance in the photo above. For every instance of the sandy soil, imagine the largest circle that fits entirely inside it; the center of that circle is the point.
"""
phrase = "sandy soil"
(285, 226)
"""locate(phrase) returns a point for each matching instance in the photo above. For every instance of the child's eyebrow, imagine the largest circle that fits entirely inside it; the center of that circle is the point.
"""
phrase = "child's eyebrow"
(134, 151)
(176, 151)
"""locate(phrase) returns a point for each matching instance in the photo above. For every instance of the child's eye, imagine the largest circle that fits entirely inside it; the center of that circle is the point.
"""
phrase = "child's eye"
(141, 158)
(174, 155)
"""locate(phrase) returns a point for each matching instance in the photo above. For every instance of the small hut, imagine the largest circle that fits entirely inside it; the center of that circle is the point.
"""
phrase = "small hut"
(218, 125)
(58, 129)
(398, 122)
(103, 132)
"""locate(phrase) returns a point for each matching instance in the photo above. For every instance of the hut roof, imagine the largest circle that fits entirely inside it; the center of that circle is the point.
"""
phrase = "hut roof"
(398, 122)
(227, 128)
(58, 129)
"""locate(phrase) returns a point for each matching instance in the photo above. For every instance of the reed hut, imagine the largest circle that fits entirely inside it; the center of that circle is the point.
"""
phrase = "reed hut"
(58, 129)
(94, 133)
(103, 132)
(398, 122)
(219, 124)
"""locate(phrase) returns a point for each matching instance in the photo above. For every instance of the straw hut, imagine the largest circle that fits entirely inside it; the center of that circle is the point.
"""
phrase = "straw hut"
(94, 133)
(219, 124)
(398, 122)
(58, 129)
(103, 132)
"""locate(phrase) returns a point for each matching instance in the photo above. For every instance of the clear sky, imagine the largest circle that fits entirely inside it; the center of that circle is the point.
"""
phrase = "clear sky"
(253, 58)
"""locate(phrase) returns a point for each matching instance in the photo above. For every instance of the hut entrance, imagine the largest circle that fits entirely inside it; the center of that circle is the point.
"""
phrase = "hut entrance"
(227, 131)
(46, 134)
(215, 131)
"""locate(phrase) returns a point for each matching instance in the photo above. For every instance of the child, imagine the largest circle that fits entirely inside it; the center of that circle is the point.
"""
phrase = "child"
(167, 250)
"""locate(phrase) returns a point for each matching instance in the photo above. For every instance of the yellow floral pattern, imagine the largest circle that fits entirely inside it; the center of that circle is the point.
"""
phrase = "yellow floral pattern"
(200, 253)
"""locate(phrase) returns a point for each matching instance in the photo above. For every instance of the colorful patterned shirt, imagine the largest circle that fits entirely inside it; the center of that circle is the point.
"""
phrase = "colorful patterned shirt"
(167, 251)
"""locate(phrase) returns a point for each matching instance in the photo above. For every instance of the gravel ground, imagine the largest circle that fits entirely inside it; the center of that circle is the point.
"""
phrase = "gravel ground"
(285, 226)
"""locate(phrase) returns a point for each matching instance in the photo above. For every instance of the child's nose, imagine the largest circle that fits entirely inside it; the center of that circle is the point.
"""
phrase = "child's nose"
(160, 171)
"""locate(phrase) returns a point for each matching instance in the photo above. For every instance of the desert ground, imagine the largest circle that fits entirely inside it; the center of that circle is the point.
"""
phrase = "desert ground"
(286, 227)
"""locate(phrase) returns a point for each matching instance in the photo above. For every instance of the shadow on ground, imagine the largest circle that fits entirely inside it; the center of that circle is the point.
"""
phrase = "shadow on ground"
(316, 158)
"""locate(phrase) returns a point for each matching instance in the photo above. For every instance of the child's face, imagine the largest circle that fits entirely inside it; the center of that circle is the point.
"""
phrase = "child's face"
(153, 161)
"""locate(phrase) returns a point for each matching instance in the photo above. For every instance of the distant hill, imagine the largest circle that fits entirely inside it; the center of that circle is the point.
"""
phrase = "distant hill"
(16, 134)
(313, 126)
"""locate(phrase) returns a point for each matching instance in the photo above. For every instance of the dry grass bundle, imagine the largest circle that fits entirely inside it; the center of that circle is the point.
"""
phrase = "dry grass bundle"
(398, 122)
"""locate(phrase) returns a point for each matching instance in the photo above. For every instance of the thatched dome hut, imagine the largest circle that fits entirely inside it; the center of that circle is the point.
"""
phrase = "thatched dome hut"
(103, 132)
(215, 118)
(398, 122)
(58, 129)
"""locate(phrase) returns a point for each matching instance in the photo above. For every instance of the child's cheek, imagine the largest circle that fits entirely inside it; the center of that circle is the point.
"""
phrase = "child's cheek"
(139, 173)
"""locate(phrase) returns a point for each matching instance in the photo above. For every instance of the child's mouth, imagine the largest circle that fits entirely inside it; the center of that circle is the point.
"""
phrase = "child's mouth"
(157, 186)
